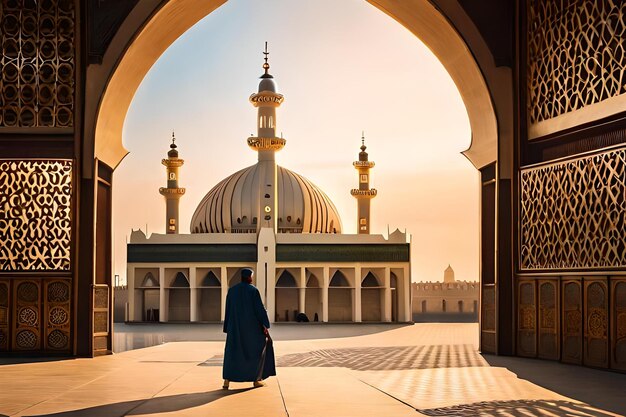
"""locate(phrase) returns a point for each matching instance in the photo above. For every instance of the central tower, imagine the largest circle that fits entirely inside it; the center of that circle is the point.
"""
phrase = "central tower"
(364, 193)
(267, 100)
(172, 192)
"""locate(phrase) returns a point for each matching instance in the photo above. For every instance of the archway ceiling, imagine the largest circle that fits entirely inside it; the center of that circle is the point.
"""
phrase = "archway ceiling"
(175, 17)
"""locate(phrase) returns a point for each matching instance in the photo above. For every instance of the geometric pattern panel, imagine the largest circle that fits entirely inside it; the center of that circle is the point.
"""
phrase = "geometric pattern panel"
(58, 314)
(37, 64)
(548, 320)
(26, 315)
(527, 319)
(35, 215)
(573, 214)
(618, 356)
(572, 329)
(596, 344)
(576, 55)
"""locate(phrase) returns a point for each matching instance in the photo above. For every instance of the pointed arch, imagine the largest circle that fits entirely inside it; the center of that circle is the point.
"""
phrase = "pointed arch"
(339, 280)
(210, 280)
(313, 282)
(370, 280)
(286, 279)
(180, 280)
(150, 281)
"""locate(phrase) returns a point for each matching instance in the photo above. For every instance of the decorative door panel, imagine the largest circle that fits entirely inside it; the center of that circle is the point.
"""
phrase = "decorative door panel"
(58, 315)
(572, 327)
(548, 319)
(596, 343)
(618, 320)
(26, 315)
(527, 319)
(488, 320)
(4, 315)
(101, 324)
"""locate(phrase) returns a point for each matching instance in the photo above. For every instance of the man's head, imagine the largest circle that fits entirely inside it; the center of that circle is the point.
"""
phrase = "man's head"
(246, 275)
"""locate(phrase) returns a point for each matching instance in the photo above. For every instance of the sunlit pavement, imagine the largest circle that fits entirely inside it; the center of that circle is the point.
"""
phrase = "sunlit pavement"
(424, 369)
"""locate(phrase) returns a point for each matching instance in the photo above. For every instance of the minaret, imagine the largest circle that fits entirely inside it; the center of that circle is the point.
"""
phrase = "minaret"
(267, 100)
(172, 192)
(364, 193)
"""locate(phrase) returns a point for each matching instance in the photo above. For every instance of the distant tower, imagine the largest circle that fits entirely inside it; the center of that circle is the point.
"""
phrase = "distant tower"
(364, 193)
(448, 275)
(267, 100)
(172, 192)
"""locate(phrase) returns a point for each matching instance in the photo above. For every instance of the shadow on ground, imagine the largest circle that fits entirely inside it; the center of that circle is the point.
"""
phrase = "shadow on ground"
(141, 335)
(600, 388)
(518, 408)
(384, 358)
(167, 404)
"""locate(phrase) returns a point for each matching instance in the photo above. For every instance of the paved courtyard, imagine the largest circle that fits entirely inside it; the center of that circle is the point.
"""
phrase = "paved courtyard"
(424, 369)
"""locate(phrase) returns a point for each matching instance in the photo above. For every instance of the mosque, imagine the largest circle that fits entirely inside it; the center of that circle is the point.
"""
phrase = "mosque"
(278, 223)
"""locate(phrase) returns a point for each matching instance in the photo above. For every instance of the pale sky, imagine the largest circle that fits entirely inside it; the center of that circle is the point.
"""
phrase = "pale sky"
(341, 73)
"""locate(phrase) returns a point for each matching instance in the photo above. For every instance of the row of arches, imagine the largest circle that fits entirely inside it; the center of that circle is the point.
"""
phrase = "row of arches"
(197, 294)
(341, 298)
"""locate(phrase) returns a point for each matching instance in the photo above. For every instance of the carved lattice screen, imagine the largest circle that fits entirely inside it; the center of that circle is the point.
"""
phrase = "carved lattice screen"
(576, 55)
(35, 215)
(573, 214)
(37, 63)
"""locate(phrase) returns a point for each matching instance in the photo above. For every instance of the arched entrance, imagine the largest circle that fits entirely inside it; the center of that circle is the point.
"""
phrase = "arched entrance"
(286, 297)
(127, 62)
(94, 147)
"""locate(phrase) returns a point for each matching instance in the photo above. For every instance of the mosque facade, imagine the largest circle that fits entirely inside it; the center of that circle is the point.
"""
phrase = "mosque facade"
(282, 226)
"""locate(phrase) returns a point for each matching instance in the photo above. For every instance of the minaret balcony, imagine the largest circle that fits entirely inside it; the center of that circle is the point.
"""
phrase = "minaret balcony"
(266, 144)
(363, 164)
(174, 192)
(173, 162)
(371, 193)
(266, 99)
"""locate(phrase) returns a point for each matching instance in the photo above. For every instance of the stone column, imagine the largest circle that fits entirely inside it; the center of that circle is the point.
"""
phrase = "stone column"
(325, 282)
(405, 307)
(356, 308)
(386, 316)
(193, 295)
(163, 301)
(224, 288)
(302, 291)
(130, 282)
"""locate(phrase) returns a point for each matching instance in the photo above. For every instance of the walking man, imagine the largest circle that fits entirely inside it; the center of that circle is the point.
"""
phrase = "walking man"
(249, 355)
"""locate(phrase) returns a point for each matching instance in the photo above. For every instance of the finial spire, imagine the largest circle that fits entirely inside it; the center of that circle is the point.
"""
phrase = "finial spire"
(363, 147)
(173, 145)
(266, 66)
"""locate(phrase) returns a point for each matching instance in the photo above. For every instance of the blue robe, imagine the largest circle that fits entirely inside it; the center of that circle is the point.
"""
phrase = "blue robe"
(243, 325)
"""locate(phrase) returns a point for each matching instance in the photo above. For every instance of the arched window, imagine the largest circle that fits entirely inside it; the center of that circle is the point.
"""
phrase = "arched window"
(313, 282)
(339, 280)
(286, 280)
(210, 280)
(394, 281)
(370, 280)
(180, 281)
(150, 281)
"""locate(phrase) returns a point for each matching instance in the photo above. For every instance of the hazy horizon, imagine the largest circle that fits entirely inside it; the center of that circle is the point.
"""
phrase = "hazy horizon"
(342, 73)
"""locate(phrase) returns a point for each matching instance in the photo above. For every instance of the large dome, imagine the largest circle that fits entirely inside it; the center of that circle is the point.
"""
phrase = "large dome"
(232, 206)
